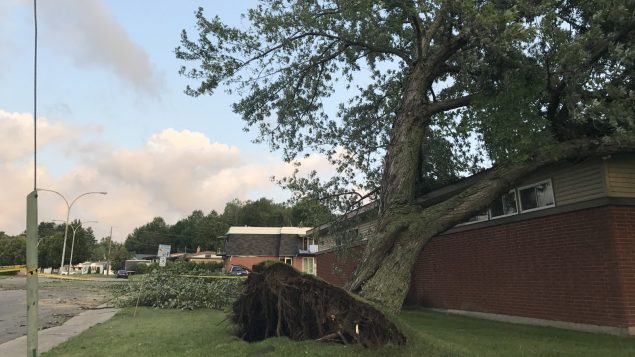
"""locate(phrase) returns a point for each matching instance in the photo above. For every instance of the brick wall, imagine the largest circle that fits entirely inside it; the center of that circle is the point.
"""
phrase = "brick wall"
(576, 267)
(336, 266)
(561, 267)
(623, 226)
(250, 261)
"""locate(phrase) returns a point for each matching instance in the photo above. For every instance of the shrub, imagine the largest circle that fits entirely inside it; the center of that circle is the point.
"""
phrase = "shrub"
(166, 288)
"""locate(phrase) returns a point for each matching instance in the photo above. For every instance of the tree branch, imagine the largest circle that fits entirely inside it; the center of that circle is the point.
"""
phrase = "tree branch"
(596, 53)
(426, 40)
(438, 107)
(354, 43)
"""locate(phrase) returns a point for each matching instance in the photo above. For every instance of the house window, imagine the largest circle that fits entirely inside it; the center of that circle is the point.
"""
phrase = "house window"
(308, 265)
(287, 260)
(536, 196)
(306, 242)
(504, 205)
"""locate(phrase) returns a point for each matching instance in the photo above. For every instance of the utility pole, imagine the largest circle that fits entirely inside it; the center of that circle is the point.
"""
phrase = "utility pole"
(32, 293)
(109, 244)
(31, 275)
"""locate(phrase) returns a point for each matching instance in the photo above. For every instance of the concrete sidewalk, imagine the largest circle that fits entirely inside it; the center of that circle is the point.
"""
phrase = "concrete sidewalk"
(49, 338)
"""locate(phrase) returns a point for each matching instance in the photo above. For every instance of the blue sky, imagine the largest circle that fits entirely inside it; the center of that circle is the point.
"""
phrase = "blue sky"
(112, 116)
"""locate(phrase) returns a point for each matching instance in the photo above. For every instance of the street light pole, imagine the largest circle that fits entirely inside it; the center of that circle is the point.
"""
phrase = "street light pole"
(68, 213)
(70, 262)
(109, 244)
(74, 228)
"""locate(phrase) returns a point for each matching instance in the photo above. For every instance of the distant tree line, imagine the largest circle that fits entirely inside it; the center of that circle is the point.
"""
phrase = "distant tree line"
(50, 245)
(200, 230)
(186, 235)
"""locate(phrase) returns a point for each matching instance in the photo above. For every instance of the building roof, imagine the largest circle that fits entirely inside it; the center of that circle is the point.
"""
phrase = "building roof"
(264, 241)
(268, 230)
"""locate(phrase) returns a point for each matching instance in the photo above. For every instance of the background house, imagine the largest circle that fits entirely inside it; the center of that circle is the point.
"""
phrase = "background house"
(205, 257)
(558, 249)
(247, 246)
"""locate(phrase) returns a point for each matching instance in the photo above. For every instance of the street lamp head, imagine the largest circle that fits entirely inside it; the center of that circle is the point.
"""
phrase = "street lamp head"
(103, 193)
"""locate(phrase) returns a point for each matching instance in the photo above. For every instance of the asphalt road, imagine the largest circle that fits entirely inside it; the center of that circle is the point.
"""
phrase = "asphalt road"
(58, 302)
(12, 314)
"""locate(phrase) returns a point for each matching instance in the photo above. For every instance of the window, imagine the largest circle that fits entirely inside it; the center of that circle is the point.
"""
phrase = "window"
(307, 241)
(308, 265)
(505, 205)
(287, 260)
(536, 196)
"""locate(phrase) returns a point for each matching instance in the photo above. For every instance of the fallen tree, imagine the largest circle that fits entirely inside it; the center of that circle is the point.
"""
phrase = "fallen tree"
(530, 82)
(280, 301)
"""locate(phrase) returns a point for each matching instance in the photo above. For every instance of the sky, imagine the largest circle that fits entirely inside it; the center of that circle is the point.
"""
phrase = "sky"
(112, 116)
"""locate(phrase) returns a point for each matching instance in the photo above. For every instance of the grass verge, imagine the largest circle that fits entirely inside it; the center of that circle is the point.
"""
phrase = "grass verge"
(162, 332)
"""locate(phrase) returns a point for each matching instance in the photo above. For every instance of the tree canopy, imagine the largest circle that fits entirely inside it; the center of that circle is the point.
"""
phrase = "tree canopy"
(500, 79)
(52, 240)
(12, 250)
(200, 230)
(425, 91)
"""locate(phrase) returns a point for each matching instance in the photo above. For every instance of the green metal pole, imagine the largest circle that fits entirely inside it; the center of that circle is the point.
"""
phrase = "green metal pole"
(31, 274)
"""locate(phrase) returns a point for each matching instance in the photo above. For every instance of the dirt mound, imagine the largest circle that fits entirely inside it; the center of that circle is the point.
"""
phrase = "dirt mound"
(280, 301)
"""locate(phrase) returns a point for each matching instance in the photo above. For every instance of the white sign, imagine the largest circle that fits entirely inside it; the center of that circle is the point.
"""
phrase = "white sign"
(164, 250)
(162, 261)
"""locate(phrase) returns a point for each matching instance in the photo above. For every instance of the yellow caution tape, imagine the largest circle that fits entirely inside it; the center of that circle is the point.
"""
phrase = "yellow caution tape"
(8, 268)
(213, 276)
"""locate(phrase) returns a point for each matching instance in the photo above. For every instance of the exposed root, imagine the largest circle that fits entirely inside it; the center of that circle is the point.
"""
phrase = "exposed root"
(280, 301)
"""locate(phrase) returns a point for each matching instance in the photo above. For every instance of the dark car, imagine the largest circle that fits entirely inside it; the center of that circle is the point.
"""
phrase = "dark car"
(122, 274)
(238, 270)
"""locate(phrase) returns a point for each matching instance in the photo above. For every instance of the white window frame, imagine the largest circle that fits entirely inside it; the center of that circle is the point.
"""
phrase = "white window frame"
(284, 260)
(520, 204)
(313, 270)
(489, 210)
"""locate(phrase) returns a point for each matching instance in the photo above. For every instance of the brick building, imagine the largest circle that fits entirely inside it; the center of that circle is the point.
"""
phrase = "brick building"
(558, 249)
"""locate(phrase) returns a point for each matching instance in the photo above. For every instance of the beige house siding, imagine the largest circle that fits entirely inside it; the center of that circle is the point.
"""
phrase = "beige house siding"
(580, 182)
(574, 182)
(620, 173)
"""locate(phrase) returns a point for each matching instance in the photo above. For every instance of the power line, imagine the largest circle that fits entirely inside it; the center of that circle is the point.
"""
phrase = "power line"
(35, 98)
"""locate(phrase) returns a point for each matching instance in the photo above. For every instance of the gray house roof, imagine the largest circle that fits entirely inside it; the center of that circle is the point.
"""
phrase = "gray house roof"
(264, 241)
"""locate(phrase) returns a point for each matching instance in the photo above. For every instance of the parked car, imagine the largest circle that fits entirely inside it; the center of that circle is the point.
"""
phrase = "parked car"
(238, 270)
(122, 274)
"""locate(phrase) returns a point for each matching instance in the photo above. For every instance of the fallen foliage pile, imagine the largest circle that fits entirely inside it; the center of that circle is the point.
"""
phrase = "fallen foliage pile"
(165, 288)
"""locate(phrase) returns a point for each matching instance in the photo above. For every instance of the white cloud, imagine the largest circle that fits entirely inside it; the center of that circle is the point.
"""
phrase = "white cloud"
(20, 125)
(172, 174)
(88, 32)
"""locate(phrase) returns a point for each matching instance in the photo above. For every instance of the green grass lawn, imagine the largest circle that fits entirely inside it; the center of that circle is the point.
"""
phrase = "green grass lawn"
(157, 332)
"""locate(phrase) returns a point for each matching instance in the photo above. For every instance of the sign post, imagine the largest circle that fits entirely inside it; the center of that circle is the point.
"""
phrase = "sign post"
(163, 254)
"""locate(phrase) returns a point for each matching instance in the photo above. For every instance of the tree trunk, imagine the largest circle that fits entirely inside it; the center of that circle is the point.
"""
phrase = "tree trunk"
(385, 270)
(401, 170)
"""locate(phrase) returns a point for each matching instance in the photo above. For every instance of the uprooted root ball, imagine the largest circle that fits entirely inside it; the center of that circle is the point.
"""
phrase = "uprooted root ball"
(280, 301)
